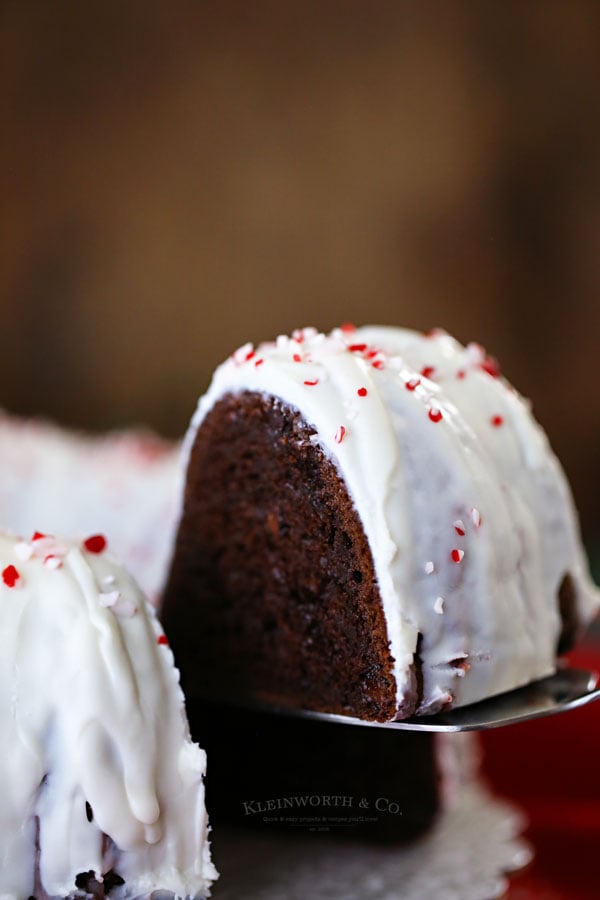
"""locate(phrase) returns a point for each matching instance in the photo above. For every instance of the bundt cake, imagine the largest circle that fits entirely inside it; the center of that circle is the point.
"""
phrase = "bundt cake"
(372, 524)
(101, 787)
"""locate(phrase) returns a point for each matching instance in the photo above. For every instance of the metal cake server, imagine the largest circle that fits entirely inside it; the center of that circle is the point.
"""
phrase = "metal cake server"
(567, 689)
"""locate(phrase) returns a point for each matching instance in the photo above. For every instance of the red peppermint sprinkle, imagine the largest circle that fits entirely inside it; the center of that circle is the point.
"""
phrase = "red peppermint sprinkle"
(433, 332)
(250, 354)
(459, 527)
(348, 327)
(340, 434)
(435, 414)
(163, 640)
(476, 517)
(95, 544)
(362, 392)
(412, 384)
(497, 421)
(490, 365)
(259, 362)
(378, 364)
(457, 555)
(427, 371)
(461, 373)
(296, 357)
(10, 576)
(37, 536)
(52, 562)
(357, 348)
(312, 383)
(372, 353)
(298, 335)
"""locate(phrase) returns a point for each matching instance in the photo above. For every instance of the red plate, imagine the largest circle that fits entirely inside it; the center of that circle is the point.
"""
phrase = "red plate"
(551, 768)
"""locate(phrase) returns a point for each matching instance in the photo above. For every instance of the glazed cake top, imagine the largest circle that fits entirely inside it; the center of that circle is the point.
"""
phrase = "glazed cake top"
(95, 738)
(467, 511)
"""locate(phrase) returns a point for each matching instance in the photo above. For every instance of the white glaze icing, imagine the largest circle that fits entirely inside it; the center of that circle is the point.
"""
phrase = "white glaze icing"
(123, 484)
(91, 710)
(457, 451)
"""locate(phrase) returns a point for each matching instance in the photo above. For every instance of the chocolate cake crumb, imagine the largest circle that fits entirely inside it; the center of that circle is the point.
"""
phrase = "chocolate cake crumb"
(567, 604)
(87, 881)
(112, 880)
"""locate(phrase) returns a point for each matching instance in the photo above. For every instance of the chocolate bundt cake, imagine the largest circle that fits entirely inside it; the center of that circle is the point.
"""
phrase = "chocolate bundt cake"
(101, 787)
(372, 524)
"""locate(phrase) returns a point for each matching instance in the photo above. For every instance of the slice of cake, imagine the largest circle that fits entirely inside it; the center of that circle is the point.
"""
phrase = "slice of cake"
(372, 524)
(101, 787)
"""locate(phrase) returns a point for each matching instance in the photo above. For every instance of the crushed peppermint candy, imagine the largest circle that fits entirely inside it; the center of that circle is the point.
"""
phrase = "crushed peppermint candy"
(357, 348)
(413, 384)
(258, 362)
(109, 598)
(23, 551)
(38, 536)
(459, 527)
(11, 576)
(162, 640)
(497, 421)
(362, 392)
(475, 517)
(243, 354)
(427, 371)
(435, 414)
(340, 434)
(438, 606)
(457, 555)
(429, 567)
(96, 543)
(347, 327)
(490, 365)
(115, 601)
(311, 382)
(52, 561)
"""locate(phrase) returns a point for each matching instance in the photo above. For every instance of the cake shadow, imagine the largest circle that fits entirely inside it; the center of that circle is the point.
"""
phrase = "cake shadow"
(276, 773)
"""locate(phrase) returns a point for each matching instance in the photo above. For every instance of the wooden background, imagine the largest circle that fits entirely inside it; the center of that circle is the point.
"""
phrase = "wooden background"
(178, 178)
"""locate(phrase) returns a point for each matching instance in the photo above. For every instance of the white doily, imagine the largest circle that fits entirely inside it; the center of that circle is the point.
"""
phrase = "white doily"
(465, 857)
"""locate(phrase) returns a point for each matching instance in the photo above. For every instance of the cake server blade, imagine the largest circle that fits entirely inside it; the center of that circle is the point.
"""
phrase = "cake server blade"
(567, 689)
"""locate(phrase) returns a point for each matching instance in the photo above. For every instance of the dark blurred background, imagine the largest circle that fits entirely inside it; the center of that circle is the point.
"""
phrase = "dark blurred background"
(176, 179)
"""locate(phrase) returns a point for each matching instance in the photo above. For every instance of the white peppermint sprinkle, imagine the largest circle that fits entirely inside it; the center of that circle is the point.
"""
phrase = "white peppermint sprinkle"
(282, 341)
(126, 608)
(429, 567)
(459, 526)
(474, 353)
(52, 562)
(241, 353)
(110, 598)
(438, 606)
(23, 551)
(476, 517)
